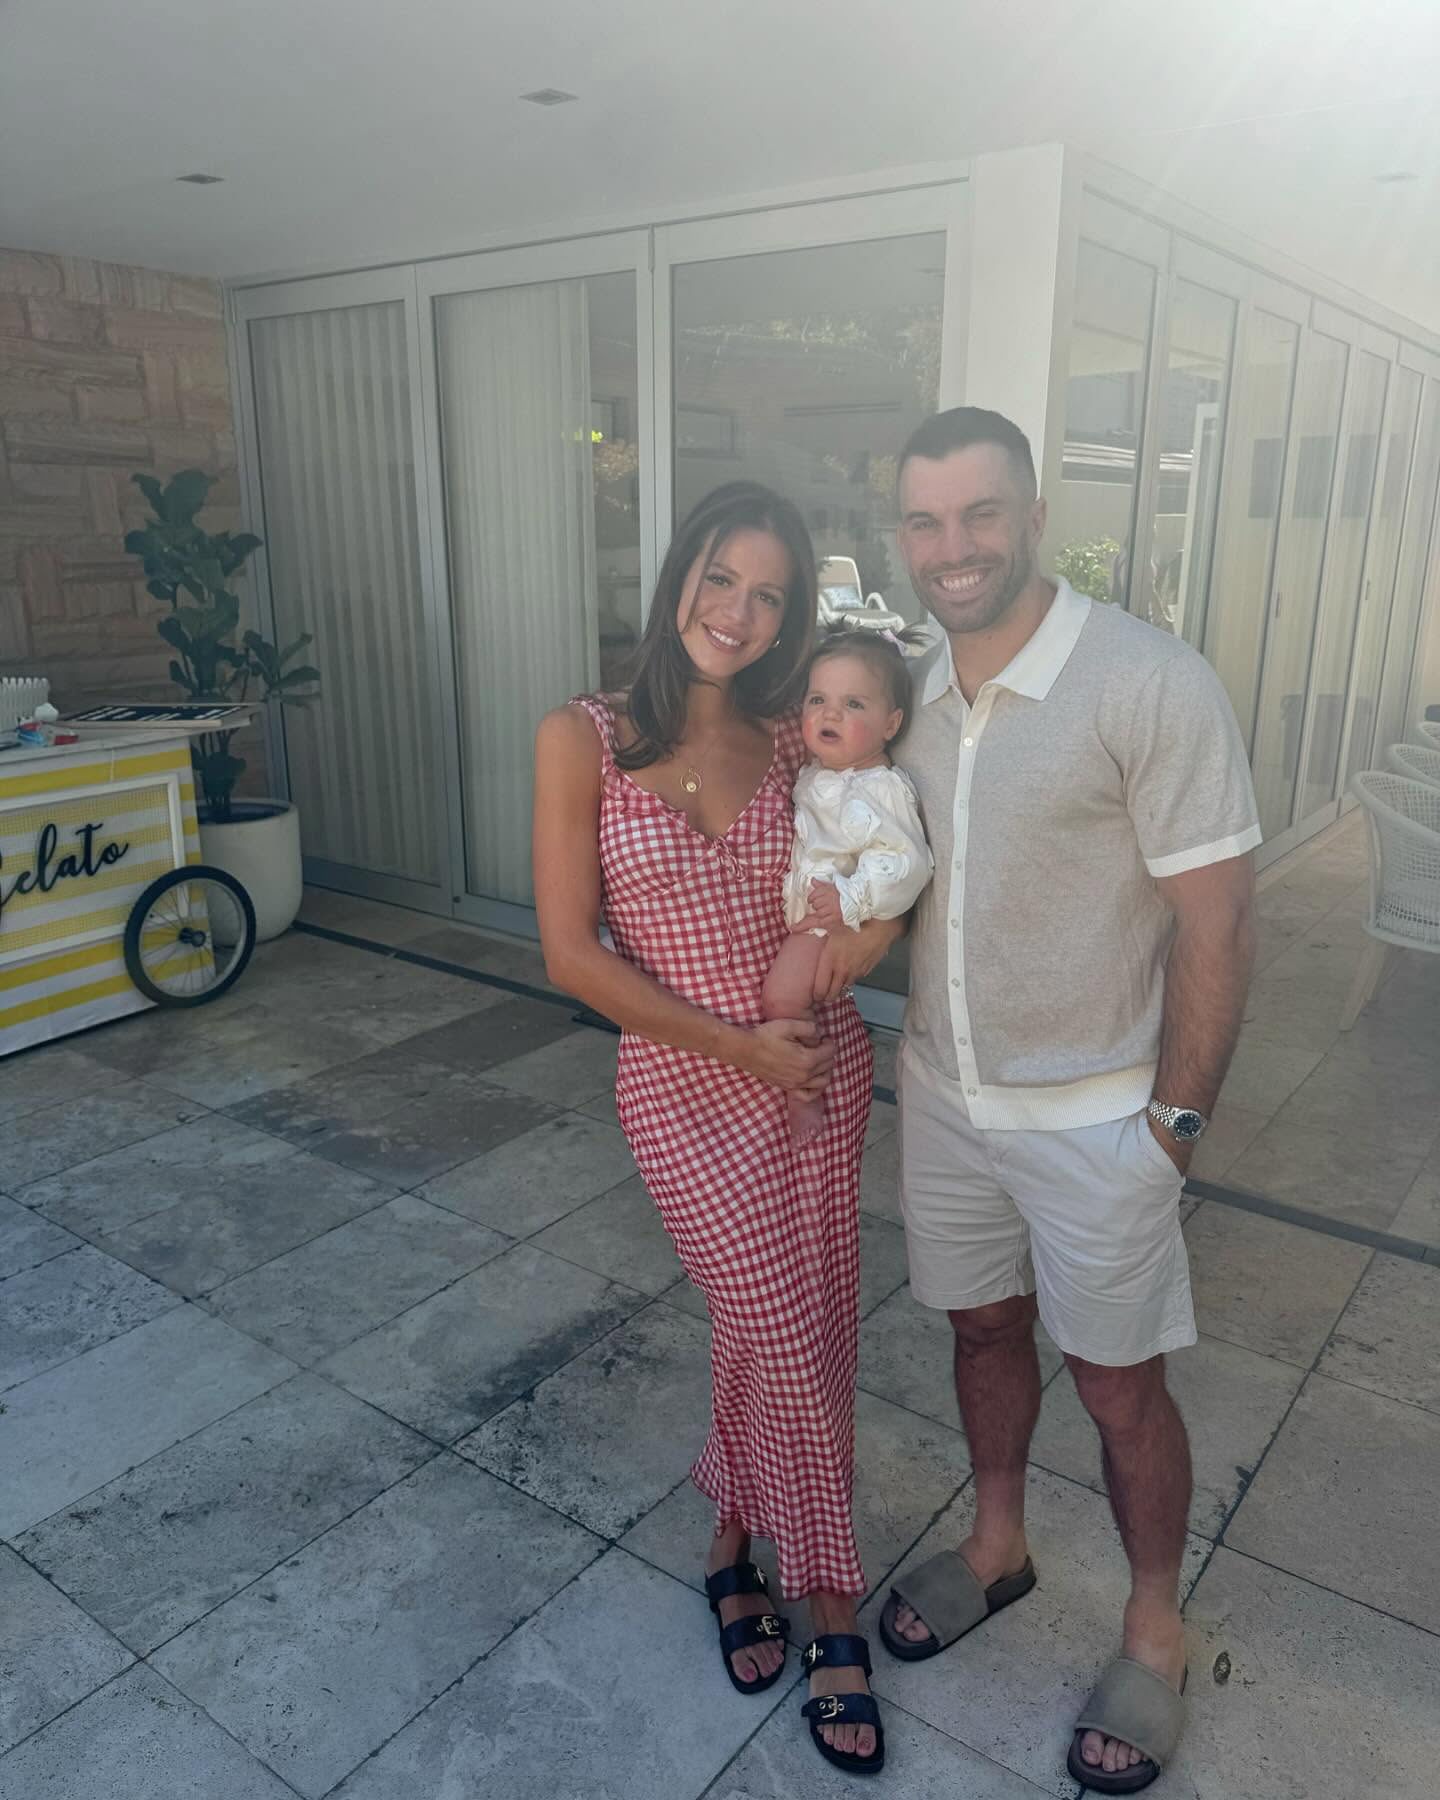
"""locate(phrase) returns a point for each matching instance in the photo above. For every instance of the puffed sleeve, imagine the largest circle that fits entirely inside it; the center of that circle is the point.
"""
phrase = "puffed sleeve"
(894, 864)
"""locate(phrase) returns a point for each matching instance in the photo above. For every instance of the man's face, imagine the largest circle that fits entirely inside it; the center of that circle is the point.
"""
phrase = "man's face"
(968, 532)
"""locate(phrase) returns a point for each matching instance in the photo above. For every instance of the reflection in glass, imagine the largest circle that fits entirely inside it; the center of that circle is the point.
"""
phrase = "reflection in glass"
(1191, 432)
(538, 414)
(807, 370)
(1296, 591)
(1344, 565)
(1381, 560)
(1394, 725)
(1239, 590)
(1091, 517)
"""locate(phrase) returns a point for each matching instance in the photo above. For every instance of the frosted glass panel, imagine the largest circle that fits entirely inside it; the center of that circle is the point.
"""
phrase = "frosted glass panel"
(1344, 566)
(332, 403)
(1240, 586)
(1382, 558)
(1295, 594)
(1191, 431)
(538, 420)
(1089, 535)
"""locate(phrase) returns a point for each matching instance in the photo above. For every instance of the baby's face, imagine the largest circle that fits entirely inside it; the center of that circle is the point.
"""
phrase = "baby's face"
(847, 717)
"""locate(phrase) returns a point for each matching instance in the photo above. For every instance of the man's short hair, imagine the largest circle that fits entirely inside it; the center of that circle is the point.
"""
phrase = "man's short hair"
(962, 426)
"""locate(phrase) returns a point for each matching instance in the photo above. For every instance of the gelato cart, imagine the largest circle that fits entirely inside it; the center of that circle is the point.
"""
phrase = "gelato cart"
(105, 908)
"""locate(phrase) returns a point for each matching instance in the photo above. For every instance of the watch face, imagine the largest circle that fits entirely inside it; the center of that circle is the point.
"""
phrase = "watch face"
(1188, 1125)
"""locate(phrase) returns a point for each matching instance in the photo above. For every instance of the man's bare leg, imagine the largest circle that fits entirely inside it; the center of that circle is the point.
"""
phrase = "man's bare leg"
(789, 993)
(997, 1382)
(1147, 1472)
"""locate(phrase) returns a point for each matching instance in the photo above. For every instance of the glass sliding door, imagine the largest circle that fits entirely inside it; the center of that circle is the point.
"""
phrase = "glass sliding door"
(1240, 588)
(1295, 591)
(1340, 601)
(807, 369)
(1378, 590)
(1090, 536)
(1191, 432)
(539, 421)
(1394, 725)
(332, 426)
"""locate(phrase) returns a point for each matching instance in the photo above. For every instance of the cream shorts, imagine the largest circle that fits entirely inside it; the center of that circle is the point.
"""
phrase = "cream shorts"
(1088, 1220)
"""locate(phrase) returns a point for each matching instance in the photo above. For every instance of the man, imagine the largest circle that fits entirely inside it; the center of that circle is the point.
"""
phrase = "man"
(1082, 955)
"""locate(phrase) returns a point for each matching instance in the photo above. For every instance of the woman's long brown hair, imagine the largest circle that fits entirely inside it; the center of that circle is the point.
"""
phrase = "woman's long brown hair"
(661, 671)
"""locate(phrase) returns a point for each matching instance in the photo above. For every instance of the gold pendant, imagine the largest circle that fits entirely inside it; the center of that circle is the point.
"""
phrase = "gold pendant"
(690, 781)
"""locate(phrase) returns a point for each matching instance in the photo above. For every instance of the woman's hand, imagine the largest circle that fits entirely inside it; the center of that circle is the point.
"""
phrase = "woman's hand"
(848, 956)
(788, 1054)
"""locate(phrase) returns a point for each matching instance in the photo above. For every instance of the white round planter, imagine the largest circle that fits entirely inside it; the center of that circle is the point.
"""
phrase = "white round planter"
(260, 847)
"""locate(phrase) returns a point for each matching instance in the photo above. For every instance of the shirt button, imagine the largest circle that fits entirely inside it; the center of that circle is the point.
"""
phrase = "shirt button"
(970, 1092)
(954, 981)
(963, 1042)
(969, 743)
(958, 863)
(954, 924)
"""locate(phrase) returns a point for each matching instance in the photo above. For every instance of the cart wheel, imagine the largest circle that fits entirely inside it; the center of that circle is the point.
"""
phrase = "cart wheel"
(189, 936)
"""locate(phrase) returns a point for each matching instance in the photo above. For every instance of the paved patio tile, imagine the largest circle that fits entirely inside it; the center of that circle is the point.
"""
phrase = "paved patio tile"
(532, 1180)
(155, 1549)
(883, 1265)
(1012, 1689)
(1262, 1077)
(471, 949)
(882, 1121)
(907, 1356)
(69, 1305)
(1327, 1171)
(378, 1000)
(880, 1179)
(339, 1286)
(450, 1362)
(1232, 1402)
(780, 1763)
(885, 1047)
(1323, 1698)
(1346, 1498)
(76, 1427)
(27, 1239)
(313, 1668)
(136, 1739)
(219, 1056)
(460, 1116)
(1232, 1131)
(1396, 1108)
(564, 1715)
(39, 1077)
(618, 1234)
(1389, 1336)
(608, 1436)
(502, 1033)
(572, 1069)
(130, 1184)
(243, 1217)
(51, 1655)
(1419, 1214)
(364, 1091)
(1271, 1287)
(39, 1143)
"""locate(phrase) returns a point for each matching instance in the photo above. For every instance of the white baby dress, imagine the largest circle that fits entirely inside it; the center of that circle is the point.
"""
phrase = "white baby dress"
(860, 830)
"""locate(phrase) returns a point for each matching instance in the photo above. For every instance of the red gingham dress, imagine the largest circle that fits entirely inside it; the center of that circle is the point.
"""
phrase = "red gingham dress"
(770, 1234)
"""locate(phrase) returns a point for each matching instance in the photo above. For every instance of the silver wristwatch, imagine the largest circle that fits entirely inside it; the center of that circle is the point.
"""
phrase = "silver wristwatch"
(1182, 1122)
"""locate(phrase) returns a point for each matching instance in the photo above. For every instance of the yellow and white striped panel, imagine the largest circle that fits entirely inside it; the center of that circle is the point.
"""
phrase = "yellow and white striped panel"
(62, 964)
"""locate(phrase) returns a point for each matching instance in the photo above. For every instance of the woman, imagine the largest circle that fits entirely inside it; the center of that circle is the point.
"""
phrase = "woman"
(667, 810)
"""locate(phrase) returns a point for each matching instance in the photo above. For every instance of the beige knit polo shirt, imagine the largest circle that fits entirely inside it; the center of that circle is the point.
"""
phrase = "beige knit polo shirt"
(1104, 756)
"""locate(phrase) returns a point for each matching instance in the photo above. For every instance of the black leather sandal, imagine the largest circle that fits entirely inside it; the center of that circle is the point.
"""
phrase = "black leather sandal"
(752, 1628)
(843, 1651)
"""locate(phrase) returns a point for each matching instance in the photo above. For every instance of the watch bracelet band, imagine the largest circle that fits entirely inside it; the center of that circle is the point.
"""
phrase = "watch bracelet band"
(1169, 1115)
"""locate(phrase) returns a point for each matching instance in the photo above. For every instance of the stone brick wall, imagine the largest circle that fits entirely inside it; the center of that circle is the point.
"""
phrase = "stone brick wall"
(104, 370)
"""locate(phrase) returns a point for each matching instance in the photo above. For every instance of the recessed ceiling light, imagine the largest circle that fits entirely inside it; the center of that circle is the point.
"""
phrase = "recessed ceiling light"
(201, 180)
(1395, 175)
(549, 97)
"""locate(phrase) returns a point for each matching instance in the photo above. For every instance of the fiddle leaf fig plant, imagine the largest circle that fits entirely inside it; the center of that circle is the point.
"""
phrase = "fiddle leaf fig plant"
(192, 568)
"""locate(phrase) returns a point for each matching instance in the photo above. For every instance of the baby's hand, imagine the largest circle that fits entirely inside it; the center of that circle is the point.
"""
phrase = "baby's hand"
(825, 913)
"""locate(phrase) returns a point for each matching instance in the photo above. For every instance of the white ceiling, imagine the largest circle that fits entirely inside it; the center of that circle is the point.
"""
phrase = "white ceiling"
(358, 131)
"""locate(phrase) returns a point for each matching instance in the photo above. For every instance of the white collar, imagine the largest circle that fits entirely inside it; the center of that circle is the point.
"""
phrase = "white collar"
(1033, 669)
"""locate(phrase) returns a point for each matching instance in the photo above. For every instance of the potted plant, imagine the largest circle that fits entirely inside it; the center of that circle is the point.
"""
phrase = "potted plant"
(257, 841)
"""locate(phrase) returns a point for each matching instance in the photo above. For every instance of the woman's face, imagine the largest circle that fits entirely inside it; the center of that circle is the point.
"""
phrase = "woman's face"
(848, 717)
(733, 606)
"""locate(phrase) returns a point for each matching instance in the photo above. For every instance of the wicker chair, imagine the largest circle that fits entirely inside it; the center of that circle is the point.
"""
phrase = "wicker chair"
(1427, 732)
(1404, 819)
(1415, 762)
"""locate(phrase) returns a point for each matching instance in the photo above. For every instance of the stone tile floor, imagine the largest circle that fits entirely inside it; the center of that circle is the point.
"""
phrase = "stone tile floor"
(348, 1385)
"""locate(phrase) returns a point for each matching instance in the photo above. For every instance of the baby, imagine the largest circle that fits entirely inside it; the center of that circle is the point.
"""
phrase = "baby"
(860, 850)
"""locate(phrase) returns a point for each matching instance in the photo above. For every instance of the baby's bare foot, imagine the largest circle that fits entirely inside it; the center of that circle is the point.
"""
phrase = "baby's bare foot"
(807, 1120)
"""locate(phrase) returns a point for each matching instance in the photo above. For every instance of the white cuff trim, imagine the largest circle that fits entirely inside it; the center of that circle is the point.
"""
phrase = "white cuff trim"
(1204, 854)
